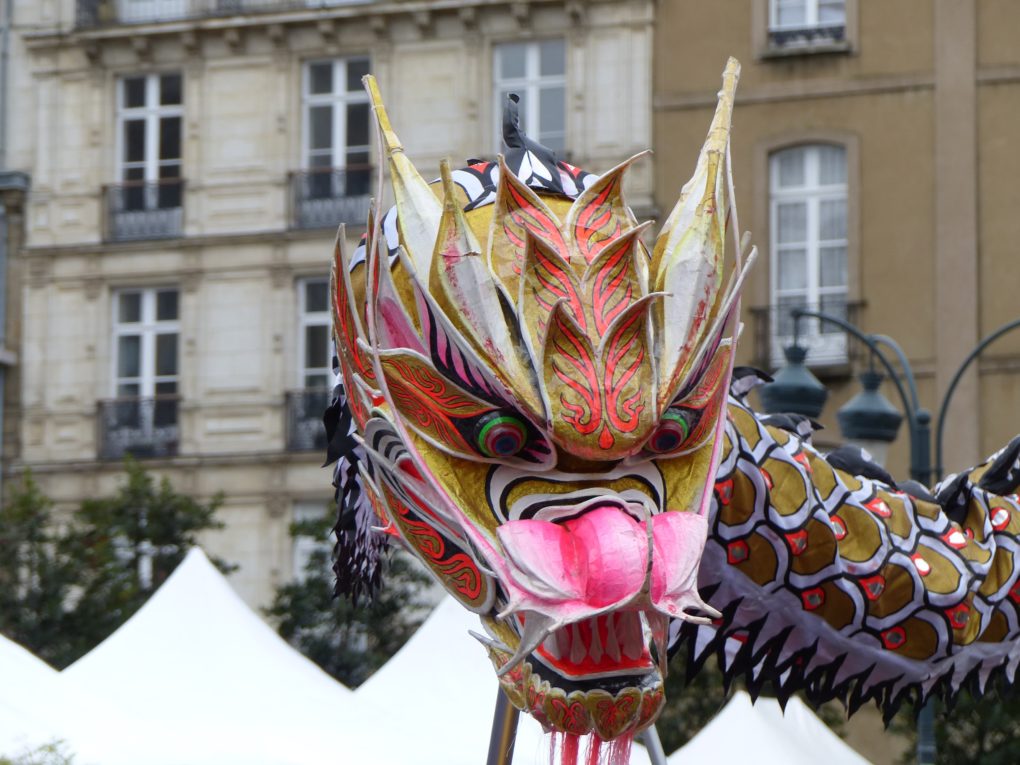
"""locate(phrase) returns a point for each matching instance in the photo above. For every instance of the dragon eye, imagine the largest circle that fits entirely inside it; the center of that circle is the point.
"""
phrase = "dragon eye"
(673, 431)
(500, 435)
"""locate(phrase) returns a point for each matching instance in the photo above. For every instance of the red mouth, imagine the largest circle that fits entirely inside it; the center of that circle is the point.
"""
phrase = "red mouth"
(605, 645)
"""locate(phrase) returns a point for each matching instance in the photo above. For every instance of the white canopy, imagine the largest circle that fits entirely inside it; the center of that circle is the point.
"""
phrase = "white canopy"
(202, 679)
(762, 734)
(28, 688)
(442, 688)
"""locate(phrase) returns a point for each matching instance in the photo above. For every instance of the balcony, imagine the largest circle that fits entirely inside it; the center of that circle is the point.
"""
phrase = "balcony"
(140, 427)
(100, 13)
(809, 38)
(305, 431)
(144, 210)
(327, 197)
(827, 345)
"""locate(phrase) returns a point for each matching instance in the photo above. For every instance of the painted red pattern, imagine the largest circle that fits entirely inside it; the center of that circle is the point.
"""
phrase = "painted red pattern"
(352, 362)
(572, 349)
(624, 355)
(593, 231)
(430, 402)
(555, 278)
(613, 286)
(459, 570)
(522, 214)
(570, 717)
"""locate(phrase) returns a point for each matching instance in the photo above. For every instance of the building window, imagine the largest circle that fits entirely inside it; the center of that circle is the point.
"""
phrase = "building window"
(335, 181)
(808, 224)
(797, 24)
(536, 72)
(146, 200)
(133, 11)
(142, 417)
(305, 406)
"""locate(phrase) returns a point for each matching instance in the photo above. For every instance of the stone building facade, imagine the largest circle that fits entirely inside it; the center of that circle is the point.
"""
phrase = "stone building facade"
(874, 157)
(190, 161)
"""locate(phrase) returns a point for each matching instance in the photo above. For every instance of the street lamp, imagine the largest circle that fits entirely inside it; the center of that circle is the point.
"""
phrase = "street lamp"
(868, 419)
(869, 413)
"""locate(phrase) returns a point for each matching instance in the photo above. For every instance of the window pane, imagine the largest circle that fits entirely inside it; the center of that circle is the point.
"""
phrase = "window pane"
(170, 89)
(831, 12)
(134, 92)
(832, 225)
(784, 322)
(792, 274)
(127, 390)
(551, 111)
(166, 305)
(357, 124)
(791, 222)
(316, 299)
(166, 354)
(790, 164)
(316, 347)
(791, 12)
(552, 58)
(512, 60)
(129, 307)
(316, 382)
(134, 141)
(834, 304)
(166, 388)
(831, 164)
(356, 69)
(170, 138)
(320, 132)
(320, 77)
(129, 356)
(832, 266)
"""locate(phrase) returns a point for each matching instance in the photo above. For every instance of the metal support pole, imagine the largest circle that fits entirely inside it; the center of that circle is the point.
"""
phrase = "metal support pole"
(926, 734)
(504, 731)
(650, 738)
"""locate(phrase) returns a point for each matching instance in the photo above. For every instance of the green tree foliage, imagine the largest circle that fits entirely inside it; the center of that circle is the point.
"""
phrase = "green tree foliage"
(983, 731)
(348, 642)
(49, 754)
(66, 588)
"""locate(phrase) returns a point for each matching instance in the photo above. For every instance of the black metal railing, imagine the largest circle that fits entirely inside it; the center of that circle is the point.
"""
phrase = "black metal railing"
(305, 431)
(773, 330)
(807, 37)
(99, 13)
(328, 197)
(144, 210)
(141, 427)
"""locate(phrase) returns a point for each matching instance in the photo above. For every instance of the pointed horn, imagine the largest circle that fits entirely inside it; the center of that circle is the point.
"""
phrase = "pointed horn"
(417, 206)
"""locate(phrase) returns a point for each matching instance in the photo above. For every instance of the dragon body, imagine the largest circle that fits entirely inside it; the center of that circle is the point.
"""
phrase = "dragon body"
(544, 412)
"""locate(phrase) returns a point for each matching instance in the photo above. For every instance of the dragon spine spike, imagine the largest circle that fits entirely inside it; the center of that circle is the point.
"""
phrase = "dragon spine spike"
(418, 209)
(687, 260)
(596, 214)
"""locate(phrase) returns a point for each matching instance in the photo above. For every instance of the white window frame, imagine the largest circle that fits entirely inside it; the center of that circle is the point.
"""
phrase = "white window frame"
(824, 344)
(152, 112)
(530, 86)
(147, 328)
(307, 319)
(811, 16)
(339, 101)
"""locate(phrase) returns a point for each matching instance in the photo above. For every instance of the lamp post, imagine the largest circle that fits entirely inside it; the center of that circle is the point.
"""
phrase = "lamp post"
(868, 414)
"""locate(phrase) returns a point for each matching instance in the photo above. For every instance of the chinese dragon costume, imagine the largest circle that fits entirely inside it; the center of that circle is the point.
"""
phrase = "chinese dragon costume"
(546, 414)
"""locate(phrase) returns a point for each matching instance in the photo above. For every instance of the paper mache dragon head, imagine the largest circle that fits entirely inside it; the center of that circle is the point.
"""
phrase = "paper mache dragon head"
(535, 404)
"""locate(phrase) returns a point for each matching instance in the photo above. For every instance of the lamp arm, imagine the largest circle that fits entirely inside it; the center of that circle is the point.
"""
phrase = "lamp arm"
(940, 421)
(909, 403)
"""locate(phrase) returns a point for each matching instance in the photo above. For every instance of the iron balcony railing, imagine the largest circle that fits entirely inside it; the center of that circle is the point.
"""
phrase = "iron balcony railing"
(305, 431)
(144, 210)
(327, 197)
(141, 427)
(99, 13)
(826, 345)
(807, 37)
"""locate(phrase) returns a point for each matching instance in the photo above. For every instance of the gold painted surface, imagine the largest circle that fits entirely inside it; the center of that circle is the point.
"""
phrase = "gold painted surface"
(819, 550)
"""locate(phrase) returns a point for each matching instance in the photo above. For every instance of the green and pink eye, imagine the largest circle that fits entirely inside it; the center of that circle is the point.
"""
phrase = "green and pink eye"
(674, 430)
(499, 435)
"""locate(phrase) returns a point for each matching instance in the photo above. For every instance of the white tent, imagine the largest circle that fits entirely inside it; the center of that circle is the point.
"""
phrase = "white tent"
(28, 686)
(442, 688)
(202, 679)
(761, 733)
